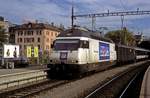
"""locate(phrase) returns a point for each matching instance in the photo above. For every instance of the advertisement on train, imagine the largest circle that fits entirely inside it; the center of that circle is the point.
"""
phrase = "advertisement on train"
(104, 51)
(11, 51)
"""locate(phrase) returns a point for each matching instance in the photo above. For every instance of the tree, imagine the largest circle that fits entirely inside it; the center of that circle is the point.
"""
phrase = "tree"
(45, 57)
(124, 37)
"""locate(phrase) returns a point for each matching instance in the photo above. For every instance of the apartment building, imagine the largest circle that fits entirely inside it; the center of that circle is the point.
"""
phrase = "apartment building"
(34, 34)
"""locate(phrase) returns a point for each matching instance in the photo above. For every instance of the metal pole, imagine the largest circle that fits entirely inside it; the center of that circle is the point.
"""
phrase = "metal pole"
(122, 22)
(72, 16)
(93, 22)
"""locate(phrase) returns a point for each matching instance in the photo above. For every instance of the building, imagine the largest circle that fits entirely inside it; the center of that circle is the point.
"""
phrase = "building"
(139, 38)
(4, 34)
(34, 34)
(4, 27)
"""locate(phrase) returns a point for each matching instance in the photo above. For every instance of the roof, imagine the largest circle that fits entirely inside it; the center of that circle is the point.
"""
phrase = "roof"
(75, 32)
(31, 26)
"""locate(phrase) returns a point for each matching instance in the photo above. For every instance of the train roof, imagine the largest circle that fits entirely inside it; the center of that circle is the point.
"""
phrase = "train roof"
(75, 32)
(135, 48)
(125, 46)
(141, 49)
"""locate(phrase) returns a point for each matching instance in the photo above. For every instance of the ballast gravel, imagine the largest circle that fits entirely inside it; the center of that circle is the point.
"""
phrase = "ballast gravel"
(79, 87)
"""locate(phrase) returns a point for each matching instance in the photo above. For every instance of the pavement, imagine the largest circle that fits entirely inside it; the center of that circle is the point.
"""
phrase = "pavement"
(145, 88)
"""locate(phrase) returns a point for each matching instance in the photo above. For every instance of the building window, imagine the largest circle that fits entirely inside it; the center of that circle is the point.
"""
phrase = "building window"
(21, 33)
(30, 25)
(28, 40)
(25, 33)
(51, 40)
(24, 40)
(47, 39)
(51, 33)
(32, 39)
(18, 33)
(38, 39)
(47, 47)
(47, 33)
(20, 39)
(31, 32)
(28, 33)
(39, 47)
(24, 46)
(20, 47)
(38, 32)
(55, 34)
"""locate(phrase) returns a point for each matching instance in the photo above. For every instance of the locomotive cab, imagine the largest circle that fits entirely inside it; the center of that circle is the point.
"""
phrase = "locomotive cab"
(70, 51)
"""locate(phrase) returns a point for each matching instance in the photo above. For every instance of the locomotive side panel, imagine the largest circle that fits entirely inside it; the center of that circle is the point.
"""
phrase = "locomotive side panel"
(93, 51)
(101, 55)
(113, 54)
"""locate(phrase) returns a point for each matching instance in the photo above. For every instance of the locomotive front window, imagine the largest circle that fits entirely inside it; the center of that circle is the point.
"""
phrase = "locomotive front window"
(84, 44)
(66, 44)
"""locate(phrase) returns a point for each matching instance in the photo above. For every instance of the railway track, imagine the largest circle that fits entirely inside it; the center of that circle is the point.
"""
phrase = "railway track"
(133, 88)
(19, 78)
(117, 87)
(32, 89)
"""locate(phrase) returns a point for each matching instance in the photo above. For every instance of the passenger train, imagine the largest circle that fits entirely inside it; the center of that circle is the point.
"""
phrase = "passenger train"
(78, 51)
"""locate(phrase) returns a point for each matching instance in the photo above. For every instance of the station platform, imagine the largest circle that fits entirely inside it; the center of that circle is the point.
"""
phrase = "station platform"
(18, 76)
(4, 71)
(145, 88)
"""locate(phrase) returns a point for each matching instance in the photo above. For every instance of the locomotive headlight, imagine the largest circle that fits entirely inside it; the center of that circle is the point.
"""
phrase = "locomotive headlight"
(76, 61)
(72, 61)
(51, 61)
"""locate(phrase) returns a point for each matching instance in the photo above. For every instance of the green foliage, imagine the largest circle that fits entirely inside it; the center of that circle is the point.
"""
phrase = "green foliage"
(33, 61)
(121, 37)
(42, 59)
(45, 57)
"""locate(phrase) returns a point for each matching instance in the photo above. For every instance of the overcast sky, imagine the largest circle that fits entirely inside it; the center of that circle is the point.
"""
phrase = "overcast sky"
(59, 12)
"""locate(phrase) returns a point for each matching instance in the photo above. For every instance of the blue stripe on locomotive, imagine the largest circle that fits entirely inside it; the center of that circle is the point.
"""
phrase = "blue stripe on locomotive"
(104, 51)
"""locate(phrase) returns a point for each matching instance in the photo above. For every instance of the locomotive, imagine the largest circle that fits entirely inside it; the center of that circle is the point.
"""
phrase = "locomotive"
(78, 51)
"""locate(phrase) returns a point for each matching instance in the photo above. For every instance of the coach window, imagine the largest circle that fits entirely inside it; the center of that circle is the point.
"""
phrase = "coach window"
(84, 44)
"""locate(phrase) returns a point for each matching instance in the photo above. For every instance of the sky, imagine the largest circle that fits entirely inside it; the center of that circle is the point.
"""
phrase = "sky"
(59, 12)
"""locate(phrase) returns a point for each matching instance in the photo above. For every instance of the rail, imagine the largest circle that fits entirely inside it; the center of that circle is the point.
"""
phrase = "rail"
(109, 88)
(20, 73)
(31, 90)
(91, 95)
(127, 87)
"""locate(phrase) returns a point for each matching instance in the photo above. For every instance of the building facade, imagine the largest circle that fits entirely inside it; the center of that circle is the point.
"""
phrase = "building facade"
(4, 27)
(34, 34)
(4, 34)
